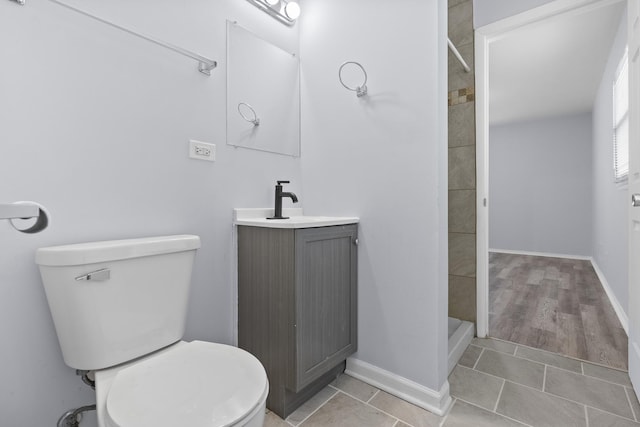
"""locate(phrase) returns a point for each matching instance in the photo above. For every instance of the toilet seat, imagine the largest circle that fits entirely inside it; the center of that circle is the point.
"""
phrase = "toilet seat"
(199, 384)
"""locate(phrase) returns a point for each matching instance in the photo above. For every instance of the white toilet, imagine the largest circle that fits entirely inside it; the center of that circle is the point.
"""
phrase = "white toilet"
(119, 309)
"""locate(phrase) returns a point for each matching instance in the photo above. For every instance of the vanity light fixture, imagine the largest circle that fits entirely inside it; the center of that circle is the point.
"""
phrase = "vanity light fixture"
(286, 11)
(292, 10)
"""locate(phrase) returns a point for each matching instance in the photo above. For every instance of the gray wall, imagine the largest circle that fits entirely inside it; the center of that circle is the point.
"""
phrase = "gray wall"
(540, 181)
(384, 158)
(610, 200)
(94, 124)
(488, 11)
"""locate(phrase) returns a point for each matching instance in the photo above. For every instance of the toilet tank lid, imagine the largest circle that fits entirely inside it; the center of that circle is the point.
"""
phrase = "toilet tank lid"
(112, 250)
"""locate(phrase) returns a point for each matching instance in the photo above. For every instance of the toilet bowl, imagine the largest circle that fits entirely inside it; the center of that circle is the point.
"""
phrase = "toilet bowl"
(119, 308)
(195, 384)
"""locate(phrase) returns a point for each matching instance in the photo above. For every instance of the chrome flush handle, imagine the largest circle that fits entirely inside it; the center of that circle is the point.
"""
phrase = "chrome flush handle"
(635, 200)
(96, 276)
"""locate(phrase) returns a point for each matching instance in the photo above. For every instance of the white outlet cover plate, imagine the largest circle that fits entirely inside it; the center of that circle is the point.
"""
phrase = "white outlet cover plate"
(202, 150)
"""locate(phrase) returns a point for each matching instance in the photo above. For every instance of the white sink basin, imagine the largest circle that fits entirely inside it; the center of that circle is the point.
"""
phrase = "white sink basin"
(258, 218)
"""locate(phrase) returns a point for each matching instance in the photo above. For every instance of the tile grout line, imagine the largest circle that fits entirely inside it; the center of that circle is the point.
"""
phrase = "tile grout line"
(446, 415)
(590, 376)
(626, 392)
(495, 407)
(581, 370)
(503, 378)
(318, 408)
(574, 372)
(496, 413)
(398, 420)
(544, 392)
(479, 356)
(544, 378)
(553, 367)
(371, 406)
(603, 380)
(586, 415)
(609, 413)
(593, 407)
(285, 421)
(360, 400)
(537, 362)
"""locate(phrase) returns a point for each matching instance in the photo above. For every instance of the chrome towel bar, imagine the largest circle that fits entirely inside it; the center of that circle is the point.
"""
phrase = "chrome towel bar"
(205, 65)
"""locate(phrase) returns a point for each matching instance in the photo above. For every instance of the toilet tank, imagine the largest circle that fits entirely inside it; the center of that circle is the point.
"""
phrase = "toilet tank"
(114, 301)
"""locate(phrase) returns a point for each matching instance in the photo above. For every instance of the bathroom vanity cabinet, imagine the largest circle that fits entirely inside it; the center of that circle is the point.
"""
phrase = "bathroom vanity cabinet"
(297, 306)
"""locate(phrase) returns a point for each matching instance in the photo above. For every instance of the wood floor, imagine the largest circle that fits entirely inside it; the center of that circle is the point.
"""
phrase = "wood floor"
(554, 304)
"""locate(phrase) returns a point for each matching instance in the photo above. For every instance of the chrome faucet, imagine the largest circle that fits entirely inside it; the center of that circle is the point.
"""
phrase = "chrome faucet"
(279, 196)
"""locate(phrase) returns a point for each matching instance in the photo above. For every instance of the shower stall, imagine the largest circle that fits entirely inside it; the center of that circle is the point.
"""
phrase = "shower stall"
(462, 183)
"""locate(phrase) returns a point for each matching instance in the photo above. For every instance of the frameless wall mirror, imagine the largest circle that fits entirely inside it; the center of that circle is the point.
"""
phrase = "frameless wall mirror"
(263, 94)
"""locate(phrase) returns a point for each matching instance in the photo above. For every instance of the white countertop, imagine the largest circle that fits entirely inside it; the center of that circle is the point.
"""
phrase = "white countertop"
(257, 217)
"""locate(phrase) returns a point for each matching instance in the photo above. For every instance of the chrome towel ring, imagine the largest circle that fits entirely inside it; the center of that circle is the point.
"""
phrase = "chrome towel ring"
(359, 90)
(255, 120)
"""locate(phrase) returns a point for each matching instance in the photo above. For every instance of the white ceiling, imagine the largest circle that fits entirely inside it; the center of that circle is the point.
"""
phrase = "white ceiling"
(552, 67)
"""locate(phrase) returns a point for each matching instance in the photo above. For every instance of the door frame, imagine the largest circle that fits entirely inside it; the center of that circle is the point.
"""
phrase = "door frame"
(484, 36)
(633, 43)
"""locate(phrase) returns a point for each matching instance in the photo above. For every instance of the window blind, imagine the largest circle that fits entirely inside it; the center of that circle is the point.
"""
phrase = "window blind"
(621, 122)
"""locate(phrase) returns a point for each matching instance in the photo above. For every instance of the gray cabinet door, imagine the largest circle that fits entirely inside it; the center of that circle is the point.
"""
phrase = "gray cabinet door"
(297, 312)
(326, 298)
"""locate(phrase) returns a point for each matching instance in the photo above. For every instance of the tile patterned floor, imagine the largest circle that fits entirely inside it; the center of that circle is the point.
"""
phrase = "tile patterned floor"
(495, 384)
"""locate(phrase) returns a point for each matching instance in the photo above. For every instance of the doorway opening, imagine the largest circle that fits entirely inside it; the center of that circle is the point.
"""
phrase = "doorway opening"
(545, 274)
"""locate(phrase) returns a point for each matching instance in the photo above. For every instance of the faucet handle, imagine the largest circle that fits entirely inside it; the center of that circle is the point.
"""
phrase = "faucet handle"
(283, 182)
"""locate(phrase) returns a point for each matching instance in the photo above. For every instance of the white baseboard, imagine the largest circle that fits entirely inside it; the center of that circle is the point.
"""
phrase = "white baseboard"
(458, 343)
(634, 365)
(437, 402)
(545, 254)
(622, 316)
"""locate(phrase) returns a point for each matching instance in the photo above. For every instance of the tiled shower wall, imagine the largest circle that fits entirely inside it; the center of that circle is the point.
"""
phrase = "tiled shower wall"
(462, 166)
